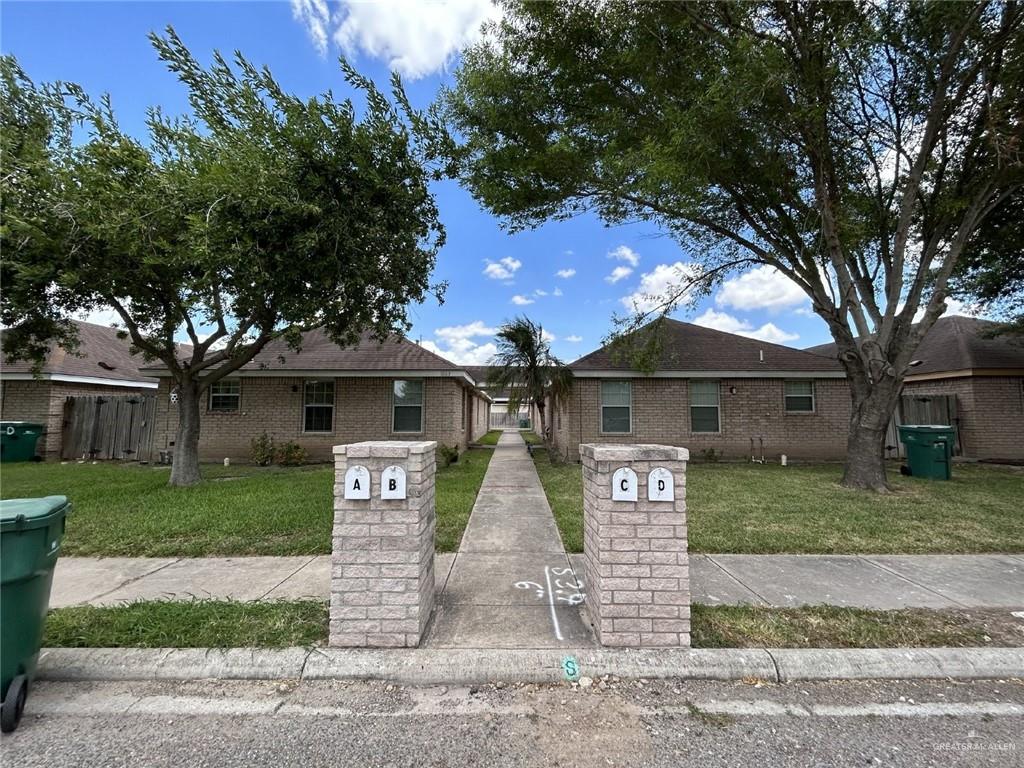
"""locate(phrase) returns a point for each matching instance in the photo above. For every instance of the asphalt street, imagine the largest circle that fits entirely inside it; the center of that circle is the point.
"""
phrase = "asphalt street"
(608, 723)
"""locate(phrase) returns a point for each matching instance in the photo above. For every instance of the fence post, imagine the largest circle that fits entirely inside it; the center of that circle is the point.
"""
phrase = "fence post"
(636, 566)
(382, 561)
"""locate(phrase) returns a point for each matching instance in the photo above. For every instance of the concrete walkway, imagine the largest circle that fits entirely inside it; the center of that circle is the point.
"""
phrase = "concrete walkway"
(511, 585)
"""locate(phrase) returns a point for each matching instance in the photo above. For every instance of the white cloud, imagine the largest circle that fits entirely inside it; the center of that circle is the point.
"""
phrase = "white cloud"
(619, 273)
(540, 292)
(106, 316)
(456, 343)
(566, 273)
(521, 301)
(556, 292)
(468, 331)
(463, 351)
(316, 17)
(503, 269)
(414, 37)
(626, 254)
(656, 285)
(763, 287)
(722, 321)
(547, 335)
(574, 339)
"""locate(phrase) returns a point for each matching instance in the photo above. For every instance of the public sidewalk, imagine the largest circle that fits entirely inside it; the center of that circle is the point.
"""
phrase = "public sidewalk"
(512, 585)
(862, 581)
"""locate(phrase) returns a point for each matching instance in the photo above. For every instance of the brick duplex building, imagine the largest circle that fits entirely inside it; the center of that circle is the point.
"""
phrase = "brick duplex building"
(710, 391)
(102, 365)
(326, 395)
(985, 375)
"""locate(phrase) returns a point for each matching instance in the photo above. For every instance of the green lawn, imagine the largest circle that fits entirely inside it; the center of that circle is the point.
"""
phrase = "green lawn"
(531, 437)
(223, 624)
(491, 438)
(197, 624)
(750, 508)
(128, 510)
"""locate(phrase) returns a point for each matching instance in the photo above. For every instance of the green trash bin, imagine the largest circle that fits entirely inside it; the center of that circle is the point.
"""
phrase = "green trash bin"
(31, 531)
(18, 440)
(929, 449)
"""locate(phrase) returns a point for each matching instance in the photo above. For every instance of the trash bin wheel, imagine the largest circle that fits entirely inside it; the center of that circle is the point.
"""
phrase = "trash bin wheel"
(14, 704)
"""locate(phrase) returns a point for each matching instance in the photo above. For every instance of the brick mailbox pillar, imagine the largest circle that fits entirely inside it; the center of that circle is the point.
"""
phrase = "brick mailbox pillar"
(382, 560)
(636, 566)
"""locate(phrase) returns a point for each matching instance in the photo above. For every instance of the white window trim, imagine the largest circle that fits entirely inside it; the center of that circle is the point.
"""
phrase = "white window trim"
(691, 406)
(305, 405)
(601, 407)
(236, 395)
(422, 407)
(785, 401)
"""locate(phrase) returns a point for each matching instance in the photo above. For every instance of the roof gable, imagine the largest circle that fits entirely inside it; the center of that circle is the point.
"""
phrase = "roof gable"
(693, 348)
(958, 343)
(100, 354)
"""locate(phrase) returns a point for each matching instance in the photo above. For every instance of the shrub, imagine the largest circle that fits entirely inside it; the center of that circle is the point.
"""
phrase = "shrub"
(291, 454)
(447, 455)
(261, 450)
(709, 454)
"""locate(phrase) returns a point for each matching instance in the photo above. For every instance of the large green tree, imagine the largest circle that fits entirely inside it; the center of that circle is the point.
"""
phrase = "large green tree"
(855, 147)
(260, 215)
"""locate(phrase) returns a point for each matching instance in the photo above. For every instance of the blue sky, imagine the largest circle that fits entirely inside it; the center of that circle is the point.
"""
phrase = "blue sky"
(570, 276)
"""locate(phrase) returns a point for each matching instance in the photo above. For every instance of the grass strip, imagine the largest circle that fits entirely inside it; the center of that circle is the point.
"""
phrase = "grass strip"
(225, 623)
(192, 624)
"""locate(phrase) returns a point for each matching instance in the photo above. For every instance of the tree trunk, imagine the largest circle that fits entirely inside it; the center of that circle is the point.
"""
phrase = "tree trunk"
(544, 429)
(185, 469)
(865, 444)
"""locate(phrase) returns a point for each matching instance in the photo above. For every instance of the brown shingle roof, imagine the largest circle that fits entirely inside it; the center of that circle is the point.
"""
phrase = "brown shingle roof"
(958, 343)
(319, 353)
(688, 347)
(100, 354)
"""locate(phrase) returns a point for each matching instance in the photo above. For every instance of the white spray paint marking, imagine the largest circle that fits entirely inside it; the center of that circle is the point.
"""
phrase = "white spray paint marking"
(551, 604)
(568, 591)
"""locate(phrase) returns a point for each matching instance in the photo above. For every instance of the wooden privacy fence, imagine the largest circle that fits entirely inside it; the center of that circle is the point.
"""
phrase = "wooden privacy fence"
(922, 408)
(502, 419)
(109, 427)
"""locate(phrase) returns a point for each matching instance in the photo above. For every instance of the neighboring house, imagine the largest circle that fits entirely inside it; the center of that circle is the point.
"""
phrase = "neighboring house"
(710, 391)
(985, 375)
(102, 365)
(326, 395)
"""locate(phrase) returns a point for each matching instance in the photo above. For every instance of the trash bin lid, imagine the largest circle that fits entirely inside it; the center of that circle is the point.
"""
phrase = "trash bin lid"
(30, 513)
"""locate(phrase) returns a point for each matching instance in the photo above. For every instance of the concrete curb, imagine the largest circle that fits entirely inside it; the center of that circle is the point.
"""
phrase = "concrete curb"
(475, 667)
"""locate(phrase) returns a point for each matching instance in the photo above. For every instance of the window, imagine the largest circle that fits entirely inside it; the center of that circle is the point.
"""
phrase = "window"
(318, 406)
(799, 396)
(616, 413)
(704, 406)
(408, 406)
(225, 395)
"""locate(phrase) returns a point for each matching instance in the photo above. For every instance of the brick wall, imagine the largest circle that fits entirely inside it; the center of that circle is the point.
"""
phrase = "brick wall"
(382, 554)
(42, 401)
(362, 411)
(636, 563)
(990, 409)
(756, 409)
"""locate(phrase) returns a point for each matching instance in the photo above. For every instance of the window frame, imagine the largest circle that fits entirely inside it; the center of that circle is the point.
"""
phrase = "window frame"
(236, 394)
(786, 396)
(717, 406)
(421, 406)
(306, 406)
(602, 406)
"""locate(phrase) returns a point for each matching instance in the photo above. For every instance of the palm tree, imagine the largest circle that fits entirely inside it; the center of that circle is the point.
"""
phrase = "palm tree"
(525, 366)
